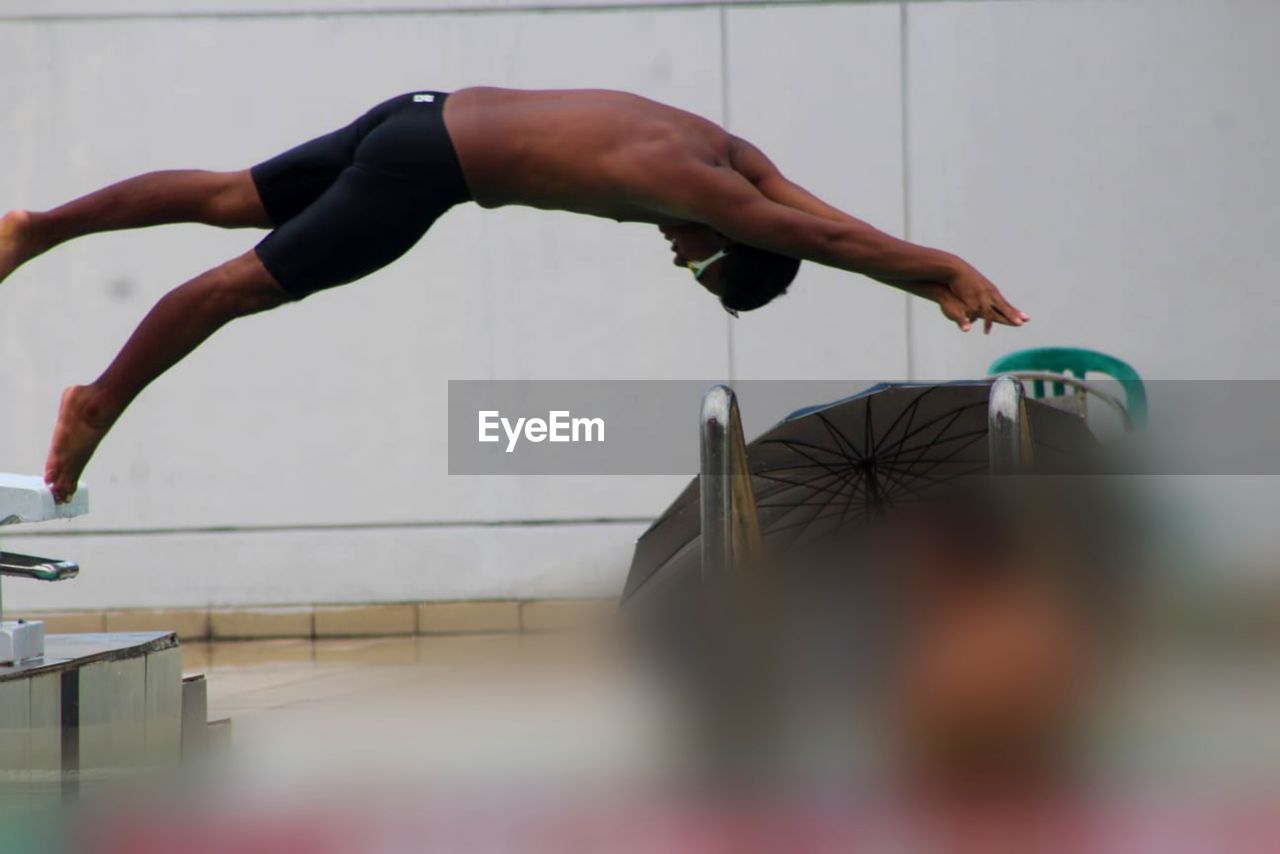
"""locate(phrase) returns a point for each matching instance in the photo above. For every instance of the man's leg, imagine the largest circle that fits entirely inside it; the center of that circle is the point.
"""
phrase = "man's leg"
(224, 199)
(336, 224)
(178, 323)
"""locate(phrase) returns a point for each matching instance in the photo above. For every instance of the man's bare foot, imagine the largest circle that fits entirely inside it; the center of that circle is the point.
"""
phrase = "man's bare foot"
(82, 422)
(18, 243)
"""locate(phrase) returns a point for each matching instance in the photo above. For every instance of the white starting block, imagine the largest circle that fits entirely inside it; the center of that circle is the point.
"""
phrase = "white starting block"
(82, 711)
(27, 499)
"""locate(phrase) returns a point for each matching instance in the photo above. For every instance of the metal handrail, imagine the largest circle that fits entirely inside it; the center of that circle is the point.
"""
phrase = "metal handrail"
(1083, 386)
(730, 524)
(1009, 443)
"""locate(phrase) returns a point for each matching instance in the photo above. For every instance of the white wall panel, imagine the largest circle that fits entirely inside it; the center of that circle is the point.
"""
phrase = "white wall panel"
(1112, 166)
(819, 90)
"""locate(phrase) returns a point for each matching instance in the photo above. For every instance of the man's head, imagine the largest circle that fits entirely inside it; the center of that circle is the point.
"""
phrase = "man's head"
(743, 277)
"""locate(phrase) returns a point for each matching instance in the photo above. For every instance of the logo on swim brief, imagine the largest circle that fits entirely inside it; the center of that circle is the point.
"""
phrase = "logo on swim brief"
(425, 98)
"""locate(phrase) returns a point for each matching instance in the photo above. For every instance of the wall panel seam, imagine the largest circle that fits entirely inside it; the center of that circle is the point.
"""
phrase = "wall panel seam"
(462, 10)
(426, 524)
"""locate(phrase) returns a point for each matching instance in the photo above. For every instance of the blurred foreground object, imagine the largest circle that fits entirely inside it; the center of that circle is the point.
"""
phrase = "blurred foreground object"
(904, 613)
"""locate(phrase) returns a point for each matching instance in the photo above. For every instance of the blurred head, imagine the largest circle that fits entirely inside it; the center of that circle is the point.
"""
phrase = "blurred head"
(997, 650)
(745, 278)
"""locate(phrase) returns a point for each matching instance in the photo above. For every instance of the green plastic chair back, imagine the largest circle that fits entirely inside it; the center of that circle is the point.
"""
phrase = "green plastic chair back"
(1077, 362)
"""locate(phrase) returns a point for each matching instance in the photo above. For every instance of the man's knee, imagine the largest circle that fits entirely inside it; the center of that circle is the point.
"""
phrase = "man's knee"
(234, 202)
(246, 287)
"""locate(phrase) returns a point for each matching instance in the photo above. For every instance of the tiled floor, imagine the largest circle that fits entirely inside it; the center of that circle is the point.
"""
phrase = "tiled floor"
(481, 707)
(566, 708)
(480, 743)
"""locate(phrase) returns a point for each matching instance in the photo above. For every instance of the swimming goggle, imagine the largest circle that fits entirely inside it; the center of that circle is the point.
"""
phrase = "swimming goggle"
(700, 267)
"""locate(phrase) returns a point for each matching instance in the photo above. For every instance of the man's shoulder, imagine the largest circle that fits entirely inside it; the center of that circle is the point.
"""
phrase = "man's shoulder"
(749, 161)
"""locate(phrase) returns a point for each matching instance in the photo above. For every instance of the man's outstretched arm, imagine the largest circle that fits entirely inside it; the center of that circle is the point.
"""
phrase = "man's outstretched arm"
(928, 273)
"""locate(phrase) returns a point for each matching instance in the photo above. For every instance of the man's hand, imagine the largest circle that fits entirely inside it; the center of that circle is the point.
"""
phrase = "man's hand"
(957, 310)
(971, 295)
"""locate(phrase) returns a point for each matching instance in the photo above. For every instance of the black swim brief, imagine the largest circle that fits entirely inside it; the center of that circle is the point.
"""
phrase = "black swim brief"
(352, 201)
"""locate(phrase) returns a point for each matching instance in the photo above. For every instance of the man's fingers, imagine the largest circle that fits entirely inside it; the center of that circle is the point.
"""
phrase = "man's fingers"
(1004, 313)
(990, 314)
(954, 312)
(990, 317)
(1000, 315)
(1015, 316)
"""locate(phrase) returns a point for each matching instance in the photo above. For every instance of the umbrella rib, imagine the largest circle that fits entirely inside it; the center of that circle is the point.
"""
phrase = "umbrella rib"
(897, 449)
(941, 482)
(951, 417)
(835, 433)
(833, 487)
(856, 476)
(863, 477)
(897, 471)
(820, 517)
(822, 506)
(926, 474)
(819, 501)
(835, 492)
(845, 443)
(828, 468)
(935, 480)
(966, 437)
(787, 509)
(910, 413)
(812, 484)
(949, 456)
(796, 446)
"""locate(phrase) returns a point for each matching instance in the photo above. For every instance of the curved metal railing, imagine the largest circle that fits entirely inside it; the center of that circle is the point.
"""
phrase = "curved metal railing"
(730, 525)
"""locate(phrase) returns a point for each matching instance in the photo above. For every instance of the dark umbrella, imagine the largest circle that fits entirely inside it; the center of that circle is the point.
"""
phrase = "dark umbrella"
(827, 469)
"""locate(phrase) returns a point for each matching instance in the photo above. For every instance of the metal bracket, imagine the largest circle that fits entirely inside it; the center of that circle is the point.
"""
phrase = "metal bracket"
(39, 568)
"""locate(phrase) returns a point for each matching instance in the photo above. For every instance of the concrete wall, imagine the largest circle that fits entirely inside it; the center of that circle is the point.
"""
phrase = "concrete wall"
(1109, 162)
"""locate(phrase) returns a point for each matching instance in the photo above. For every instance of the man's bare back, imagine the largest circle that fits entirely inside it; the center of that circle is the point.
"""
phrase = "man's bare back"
(589, 151)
